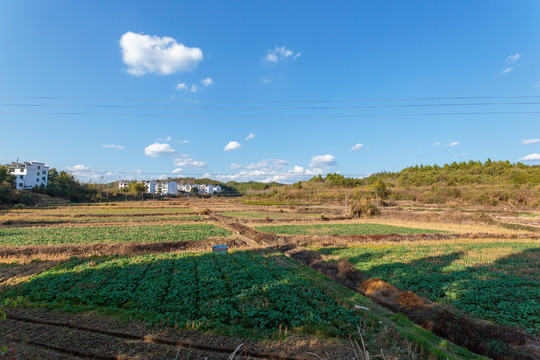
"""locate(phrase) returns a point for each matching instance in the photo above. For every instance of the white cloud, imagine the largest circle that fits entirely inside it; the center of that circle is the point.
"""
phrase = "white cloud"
(79, 168)
(119, 147)
(507, 70)
(183, 141)
(357, 147)
(163, 55)
(235, 166)
(177, 170)
(530, 141)
(187, 161)
(436, 143)
(159, 149)
(513, 58)
(531, 157)
(452, 144)
(250, 136)
(168, 138)
(193, 88)
(280, 54)
(181, 86)
(268, 164)
(232, 145)
(207, 81)
(322, 161)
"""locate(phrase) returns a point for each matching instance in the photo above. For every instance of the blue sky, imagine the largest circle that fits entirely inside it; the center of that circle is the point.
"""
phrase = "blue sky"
(151, 89)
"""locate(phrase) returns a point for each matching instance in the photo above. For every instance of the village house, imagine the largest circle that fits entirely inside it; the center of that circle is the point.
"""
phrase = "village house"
(29, 174)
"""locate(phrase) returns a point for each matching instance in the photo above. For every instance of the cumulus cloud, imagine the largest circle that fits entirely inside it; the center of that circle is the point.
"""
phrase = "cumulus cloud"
(531, 157)
(530, 141)
(357, 147)
(280, 54)
(207, 81)
(181, 86)
(454, 143)
(250, 136)
(177, 170)
(187, 161)
(119, 147)
(232, 145)
(153, 54)
(159, 149)
(322, 161)
(268, 170)
(79, 168)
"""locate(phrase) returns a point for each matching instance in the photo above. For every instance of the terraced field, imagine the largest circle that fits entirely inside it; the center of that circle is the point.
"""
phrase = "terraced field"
(342, 229)
(497, 281)
(109, 234)
(261, 215)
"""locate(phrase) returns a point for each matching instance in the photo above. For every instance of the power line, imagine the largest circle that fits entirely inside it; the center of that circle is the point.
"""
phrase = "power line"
(268, 108)
(273, 101)
(280, 116)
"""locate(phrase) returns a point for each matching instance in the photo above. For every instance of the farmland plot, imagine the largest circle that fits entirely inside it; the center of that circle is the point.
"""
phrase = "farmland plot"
(496, 281)
(241, 293)
(109, 234)
(343, 229)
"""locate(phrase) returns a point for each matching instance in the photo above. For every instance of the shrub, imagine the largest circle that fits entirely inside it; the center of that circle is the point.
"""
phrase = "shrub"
(364, 208)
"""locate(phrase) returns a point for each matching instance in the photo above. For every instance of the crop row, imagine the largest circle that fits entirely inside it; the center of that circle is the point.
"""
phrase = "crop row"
(342, 229)
(109, 234)
(241, 293)
(260, 215)
(498, 281)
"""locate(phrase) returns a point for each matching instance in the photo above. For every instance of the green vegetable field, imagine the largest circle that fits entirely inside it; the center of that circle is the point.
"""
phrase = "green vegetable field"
(241, 293)
(260, 215)
(109, 234)
(343, 229)
(498, 281)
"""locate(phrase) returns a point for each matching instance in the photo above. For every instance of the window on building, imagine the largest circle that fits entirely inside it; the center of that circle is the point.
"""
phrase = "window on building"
(43, 172)
(20, 185)
(43, 178)
(39, 167)
(20, 176)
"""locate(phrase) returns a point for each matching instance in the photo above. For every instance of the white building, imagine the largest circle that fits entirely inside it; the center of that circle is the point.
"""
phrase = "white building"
(29, 174)
(167, 188)
(187, 187)
(123, 184)
(150, 186)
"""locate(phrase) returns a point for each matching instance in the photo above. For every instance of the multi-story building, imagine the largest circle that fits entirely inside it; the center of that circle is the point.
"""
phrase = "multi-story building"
(29, 174)
(150, 186)
(123, 184)
(167, 188)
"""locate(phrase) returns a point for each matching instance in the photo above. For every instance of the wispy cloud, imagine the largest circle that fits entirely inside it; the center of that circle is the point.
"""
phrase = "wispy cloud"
(119, 147)
(232, 145)
(357, 147)
(531, 157)
(168, 138)
(145, 54)
(250, 136)
(436, 144)
(280, 54)
(159, 149)
(183, 141)
(513, 58)
(452, 144)
(530, 141)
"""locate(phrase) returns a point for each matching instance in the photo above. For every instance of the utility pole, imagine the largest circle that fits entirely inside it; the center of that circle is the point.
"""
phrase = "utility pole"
(346, 205)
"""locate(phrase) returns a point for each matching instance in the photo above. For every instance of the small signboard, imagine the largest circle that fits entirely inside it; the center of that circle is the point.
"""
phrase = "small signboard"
(220, 249)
